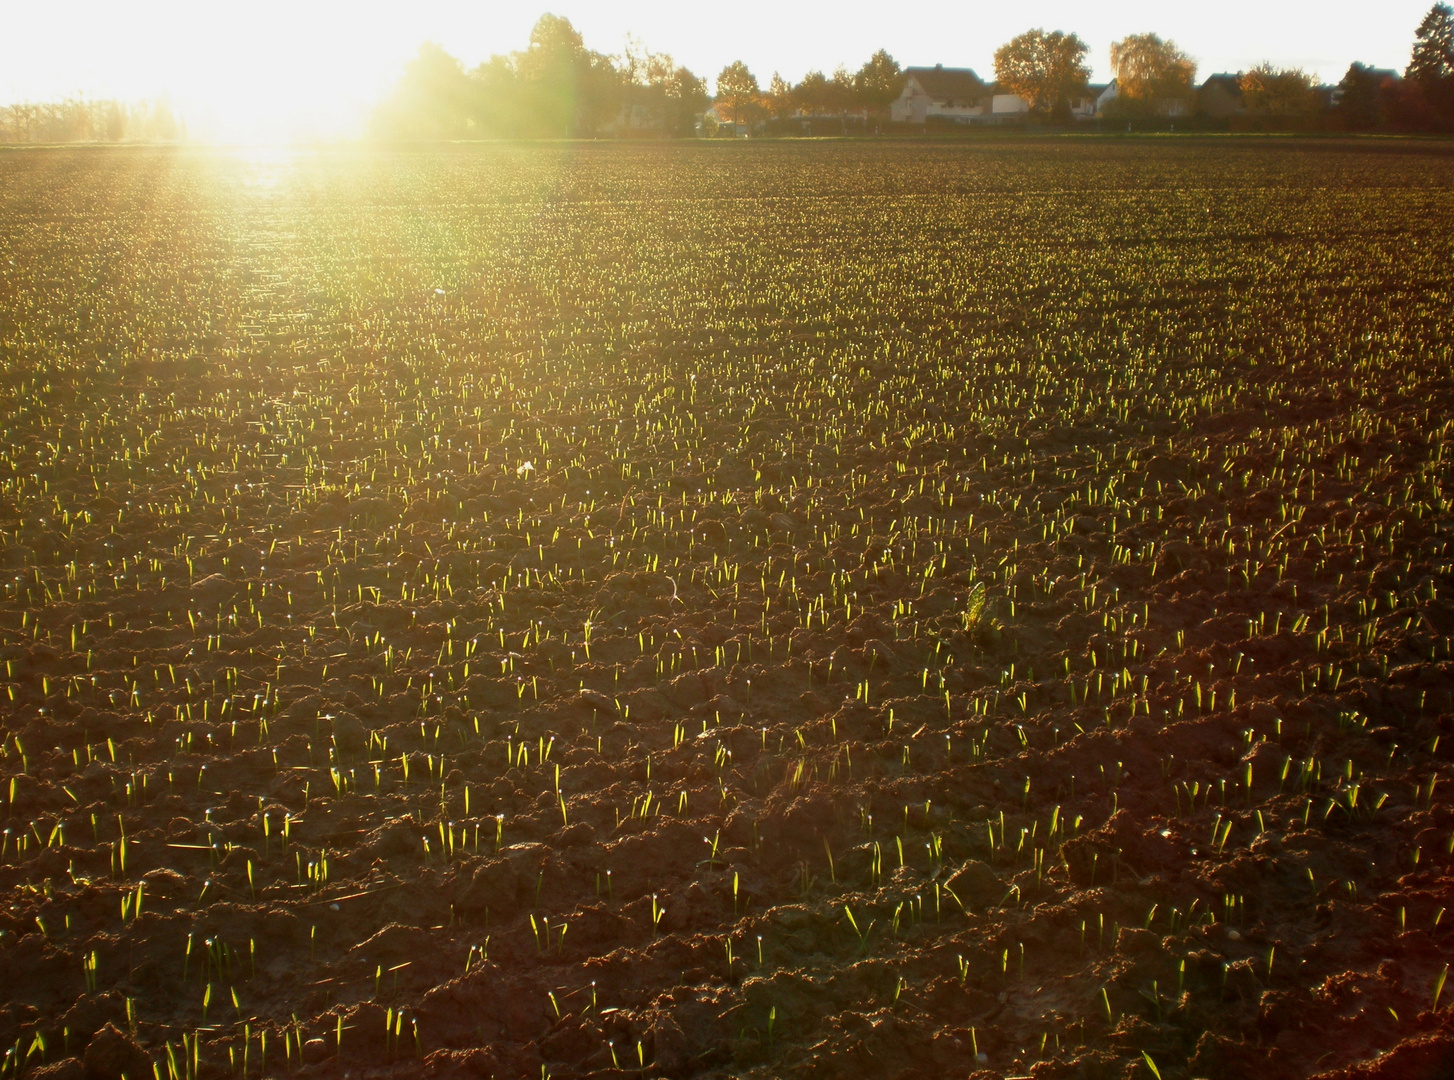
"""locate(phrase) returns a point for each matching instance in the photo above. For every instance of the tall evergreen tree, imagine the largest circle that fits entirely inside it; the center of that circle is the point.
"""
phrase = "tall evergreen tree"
(1431, 65)
(1433, 54)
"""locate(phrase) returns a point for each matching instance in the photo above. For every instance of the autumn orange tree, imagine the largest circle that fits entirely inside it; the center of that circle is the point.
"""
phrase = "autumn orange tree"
(737, 89)
(1152, 75)
(1046, 69)
(667, 89)
(1272, 91)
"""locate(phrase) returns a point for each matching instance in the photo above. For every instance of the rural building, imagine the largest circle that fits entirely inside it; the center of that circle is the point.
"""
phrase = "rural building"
(1106, 96)
(954, 94)
(719, 119)
(1169, 107)
(1087, 106)
(1008, 106)
(635, 116)
(1221, 96)
(959, 96)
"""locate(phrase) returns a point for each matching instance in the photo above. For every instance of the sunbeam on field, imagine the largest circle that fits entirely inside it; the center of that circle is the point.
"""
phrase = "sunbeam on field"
(315, 69)
(800, 609)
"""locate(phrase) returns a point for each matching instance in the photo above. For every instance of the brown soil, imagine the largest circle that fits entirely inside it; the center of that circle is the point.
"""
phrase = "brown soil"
(841, 610)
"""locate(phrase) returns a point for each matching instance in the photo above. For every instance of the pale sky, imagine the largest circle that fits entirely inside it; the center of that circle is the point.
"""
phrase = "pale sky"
(251, 68)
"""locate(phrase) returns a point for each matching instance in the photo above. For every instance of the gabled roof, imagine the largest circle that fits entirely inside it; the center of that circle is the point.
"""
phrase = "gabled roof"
(942, 83)
(1230, 83)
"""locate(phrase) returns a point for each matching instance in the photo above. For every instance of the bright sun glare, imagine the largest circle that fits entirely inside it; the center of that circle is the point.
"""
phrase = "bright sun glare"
(266, 167)
(296, 78)
(296, 70)
(301, 69)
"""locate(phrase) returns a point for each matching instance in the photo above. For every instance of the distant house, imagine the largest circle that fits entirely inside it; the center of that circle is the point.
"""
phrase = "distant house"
(1165, 107)
(957, 95)
(1087, 105)
(1107, 95)
(1220, 96)
(1098, 96)
(719, 119)
(1008, 106)
(636, 115)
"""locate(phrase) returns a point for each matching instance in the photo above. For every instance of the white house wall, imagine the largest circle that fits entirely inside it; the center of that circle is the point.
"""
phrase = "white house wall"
(916, 107)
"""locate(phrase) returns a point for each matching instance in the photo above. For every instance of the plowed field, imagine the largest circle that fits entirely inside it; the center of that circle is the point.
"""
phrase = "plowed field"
(865, 610)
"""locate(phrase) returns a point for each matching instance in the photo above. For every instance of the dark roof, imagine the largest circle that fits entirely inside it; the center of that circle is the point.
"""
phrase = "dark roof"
(1230, 83)
(942, 83)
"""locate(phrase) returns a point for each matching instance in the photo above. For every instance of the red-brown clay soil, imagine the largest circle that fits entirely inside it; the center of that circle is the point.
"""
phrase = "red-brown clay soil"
(842, 610)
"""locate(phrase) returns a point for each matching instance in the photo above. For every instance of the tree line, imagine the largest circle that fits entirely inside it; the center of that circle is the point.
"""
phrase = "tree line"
(76, 120)
(1154, 78)
(1423, 100)
(556, 87)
